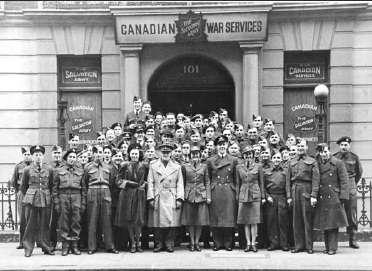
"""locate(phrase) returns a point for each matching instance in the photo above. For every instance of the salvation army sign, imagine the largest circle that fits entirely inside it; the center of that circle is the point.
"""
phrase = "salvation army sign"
(82, 126)
(191, 28)
(304, 124)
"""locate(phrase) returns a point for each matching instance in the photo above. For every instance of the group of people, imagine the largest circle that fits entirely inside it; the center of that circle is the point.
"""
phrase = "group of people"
(171, 173)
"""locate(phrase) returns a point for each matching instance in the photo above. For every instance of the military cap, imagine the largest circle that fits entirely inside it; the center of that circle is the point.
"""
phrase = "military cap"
(284, 148)
(71, 136)
(149, 117)
(134, 146)
(195, 148)
(56, 148)
(72, 150)
(25, 149)
(100, 134)
(36, 148)
(221, 110)
(290, 135)
(147, 102)
(121, 144)
(247, 149)
(95, 148)
(197, 116)
(186, 142)
(249, 126)
(194, 131)
(320, 147)
(254, 116)
(344, 139)
(139, 128)
(116, 124)
(80, 152)
(166, 148)
(209, 126)
(237, 125)
(126, 133)
(166, 132)
(269, 120)
(220, 139)
(212, 114)
(136, 98)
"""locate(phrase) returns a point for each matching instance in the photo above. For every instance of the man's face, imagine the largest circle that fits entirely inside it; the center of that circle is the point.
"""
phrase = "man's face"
(223, 115)
(210, 146)
(146, 108)
(265, 155)
(187, 123)
(158, 119)
(166, 156)
(230, 126)
(90, 151)
(180, 133)
(186, 149)
(27, 156)
(209, 132)
(239, 132)
(71, 159)
(166, 139)
(137, 104)
(291, 141)
(150, 153)
(205, 153)
(302, 147)
(234, 149)
(107, 154)
(164, 124)
(325, 153)
(150, 142)
(263, 143)
(134, 155)
(110, 135)
(150, 133)
(57, 154)
(195, 155)
(198, 123)
(293, 151)
(252, 133)
(269, 126)
(171, 120)
(195, 137)
(139, 135)
(118, 131)
(101, 140)
(257, 150)
(180, 116)
(222, 147)
(74, 142)
(274, 139)
(276, 159)
(228, 134)
(285, 155)
(345, 147)
(150, 122)
(38, 157)
(257, 122)
(214, 118)
(176, 153)
(98, 155)
(124, 148)
(118, 158)
(83, 158)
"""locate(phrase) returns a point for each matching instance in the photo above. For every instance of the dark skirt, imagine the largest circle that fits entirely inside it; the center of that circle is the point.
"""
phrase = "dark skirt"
(249, 213)
(195, 214)
(131, 206)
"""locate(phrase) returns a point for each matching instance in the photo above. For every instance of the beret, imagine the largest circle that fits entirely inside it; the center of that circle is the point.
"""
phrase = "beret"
(25, 149)
(72, 150)
(344, 139)
(116, 124)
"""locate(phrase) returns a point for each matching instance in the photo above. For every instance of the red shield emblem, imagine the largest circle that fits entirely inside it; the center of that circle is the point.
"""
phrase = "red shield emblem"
(190, 28)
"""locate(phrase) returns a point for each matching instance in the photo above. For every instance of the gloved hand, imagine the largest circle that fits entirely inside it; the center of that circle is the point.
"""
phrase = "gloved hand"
(313, 201)
(57, 208)
(178, 204)
(152, 204)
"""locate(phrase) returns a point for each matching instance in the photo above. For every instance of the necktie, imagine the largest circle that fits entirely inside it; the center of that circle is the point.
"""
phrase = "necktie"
(136, 113)
(39, 168)
(71, 168)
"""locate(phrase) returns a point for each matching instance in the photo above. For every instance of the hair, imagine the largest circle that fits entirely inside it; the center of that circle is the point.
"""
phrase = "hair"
(170, 113)
(140, 154)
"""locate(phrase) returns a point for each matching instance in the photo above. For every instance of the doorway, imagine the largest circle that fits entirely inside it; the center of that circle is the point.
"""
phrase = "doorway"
(192, 85)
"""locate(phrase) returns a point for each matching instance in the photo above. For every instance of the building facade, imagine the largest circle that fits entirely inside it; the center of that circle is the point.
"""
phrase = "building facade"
(186, 57)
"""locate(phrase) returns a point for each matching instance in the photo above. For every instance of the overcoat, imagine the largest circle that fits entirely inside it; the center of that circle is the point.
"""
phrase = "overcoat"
(165, 186)
(132, 201)
(222, 173)
(334, 185)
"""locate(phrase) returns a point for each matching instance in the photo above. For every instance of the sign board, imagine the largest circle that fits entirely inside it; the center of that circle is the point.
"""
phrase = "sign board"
(306, 72)
(305, 124)
(162, 28)
(88, 75)
(82, 126)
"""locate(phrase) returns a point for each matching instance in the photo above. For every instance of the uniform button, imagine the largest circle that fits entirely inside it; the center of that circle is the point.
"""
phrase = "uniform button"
(330, 174)
(321, 197)
(218, 177)
(225, 183)
(320, 185)
(219, 184)
(330, 185)
(229, 168)
(227, 176)
(329, 197)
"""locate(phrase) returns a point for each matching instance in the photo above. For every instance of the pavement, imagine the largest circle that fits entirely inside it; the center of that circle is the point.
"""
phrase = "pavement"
(182, 259)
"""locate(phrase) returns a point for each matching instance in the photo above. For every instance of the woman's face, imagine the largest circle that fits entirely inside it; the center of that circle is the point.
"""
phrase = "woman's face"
(195, 155)
(291, 141)
(107, 154)
(124, 148)
(134, 155)
(146, 108)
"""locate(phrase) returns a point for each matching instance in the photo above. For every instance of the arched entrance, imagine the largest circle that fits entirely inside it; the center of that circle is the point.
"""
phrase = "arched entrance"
(192, 85)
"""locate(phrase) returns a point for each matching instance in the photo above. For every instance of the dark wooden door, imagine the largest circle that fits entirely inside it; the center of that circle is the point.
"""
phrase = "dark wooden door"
(299, 115)
(85, 113)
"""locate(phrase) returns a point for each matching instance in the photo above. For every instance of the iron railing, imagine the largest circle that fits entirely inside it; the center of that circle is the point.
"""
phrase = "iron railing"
(9, 208)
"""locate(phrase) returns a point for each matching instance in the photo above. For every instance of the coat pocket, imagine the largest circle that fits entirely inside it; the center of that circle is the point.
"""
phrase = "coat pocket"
(337, 190)
(29, 197)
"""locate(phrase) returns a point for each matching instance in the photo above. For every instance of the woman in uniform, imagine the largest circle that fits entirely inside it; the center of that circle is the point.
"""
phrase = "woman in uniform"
(195, 212)
(250, 195)
(132, 199)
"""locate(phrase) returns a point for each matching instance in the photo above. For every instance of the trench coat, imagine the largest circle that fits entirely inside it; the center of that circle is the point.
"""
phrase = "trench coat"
(165, 186)
(132, 201)
(334, 185)
(222, 172)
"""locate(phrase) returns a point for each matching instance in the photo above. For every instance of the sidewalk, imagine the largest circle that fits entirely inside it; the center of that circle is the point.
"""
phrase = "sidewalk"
(182, 259)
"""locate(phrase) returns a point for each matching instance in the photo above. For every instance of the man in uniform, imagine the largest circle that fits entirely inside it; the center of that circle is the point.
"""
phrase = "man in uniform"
(133, 117)
(36, 187)
(223, 209)
(165, 194)
(57, 162)
(69, 200)
(303, 174)
(16, 182)
(98, 177)
(334, 190)
(354, 172)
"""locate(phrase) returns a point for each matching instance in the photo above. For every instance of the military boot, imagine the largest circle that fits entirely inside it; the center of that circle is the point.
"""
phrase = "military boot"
(75, 249)
(352, 242)
(65, 247)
